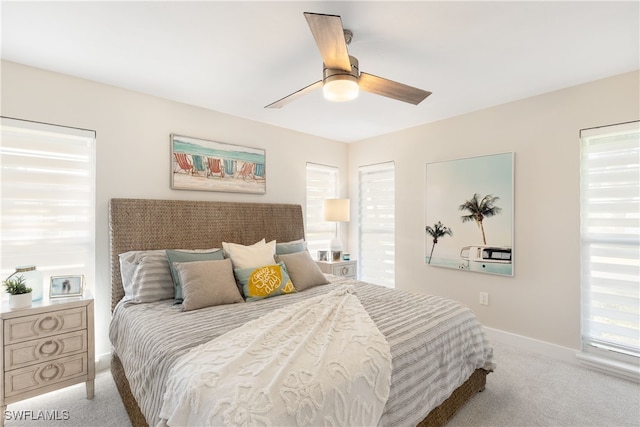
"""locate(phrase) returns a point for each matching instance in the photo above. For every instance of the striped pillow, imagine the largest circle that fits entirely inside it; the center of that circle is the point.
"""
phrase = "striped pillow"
(146, 276)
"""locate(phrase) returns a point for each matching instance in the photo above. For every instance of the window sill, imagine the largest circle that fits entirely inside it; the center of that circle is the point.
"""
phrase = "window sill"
(612, 367)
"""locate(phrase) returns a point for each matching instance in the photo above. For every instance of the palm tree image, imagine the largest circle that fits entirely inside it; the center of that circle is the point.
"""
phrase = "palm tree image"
(479, 209)
(438, 230)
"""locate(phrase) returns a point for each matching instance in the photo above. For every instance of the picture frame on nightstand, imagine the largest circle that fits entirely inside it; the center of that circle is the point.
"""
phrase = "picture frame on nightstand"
(66, 286)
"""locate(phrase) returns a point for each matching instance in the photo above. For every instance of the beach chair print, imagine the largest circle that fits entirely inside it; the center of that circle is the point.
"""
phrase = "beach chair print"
(215, 167)
(246, 171)
(198, 164)
(259, 171)
(182, 163)
(229, 167)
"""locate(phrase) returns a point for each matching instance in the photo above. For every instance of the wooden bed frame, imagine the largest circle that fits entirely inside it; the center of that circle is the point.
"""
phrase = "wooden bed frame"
(145, 224)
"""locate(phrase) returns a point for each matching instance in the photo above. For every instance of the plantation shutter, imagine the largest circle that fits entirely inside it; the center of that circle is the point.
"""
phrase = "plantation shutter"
(322, 183)
(610, 233)
(376, 257)
(48, 199)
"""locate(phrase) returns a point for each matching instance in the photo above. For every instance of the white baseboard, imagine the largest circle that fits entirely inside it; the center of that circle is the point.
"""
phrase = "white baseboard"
(565, 354)
(533, 345)
(103, 362)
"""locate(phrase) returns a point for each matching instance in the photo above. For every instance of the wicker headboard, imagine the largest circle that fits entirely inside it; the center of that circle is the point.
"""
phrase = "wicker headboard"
(144, 224)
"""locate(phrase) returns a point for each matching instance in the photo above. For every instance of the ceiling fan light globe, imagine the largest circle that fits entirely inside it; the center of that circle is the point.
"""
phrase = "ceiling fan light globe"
(340, 88)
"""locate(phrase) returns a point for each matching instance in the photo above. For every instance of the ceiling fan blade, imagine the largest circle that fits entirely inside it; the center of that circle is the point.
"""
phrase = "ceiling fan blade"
(295, 95)
(391, 89)
(329, 35)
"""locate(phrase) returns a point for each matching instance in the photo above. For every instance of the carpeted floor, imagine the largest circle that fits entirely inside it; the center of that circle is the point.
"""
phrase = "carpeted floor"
(525, 390)
(69, 407)
(531, 390)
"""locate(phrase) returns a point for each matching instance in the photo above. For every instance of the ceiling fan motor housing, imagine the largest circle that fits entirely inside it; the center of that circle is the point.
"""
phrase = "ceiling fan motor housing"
(341, 85)
(330, 73)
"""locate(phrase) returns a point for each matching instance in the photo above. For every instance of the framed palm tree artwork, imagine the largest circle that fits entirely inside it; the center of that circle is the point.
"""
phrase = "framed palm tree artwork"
(469, 214)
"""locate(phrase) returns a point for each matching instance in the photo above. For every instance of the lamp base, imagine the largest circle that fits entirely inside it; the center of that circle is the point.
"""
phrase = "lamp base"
(336, 249)
(335, 245)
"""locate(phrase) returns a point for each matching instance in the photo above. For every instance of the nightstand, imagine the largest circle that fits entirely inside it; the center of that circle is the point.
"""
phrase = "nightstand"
(45, 347)
(347, 269)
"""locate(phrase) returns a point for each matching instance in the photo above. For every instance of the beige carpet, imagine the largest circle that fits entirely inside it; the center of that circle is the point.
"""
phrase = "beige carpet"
(104, 410)
(531, 390)
(525, 390)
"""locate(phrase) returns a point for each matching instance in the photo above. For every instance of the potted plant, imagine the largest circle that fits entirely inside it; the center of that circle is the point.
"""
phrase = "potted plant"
(19, 293)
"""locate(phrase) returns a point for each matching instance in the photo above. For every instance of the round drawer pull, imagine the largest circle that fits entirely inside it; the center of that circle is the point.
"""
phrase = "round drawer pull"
(345, 271)
(49, 348)
(50, 372)
(48, 324)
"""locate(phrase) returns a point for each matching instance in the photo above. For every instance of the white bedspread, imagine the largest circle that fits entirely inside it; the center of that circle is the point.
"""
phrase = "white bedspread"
(436, 343)
(321, 361)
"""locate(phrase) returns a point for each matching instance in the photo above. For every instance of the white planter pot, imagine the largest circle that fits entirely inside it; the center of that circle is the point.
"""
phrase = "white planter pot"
(20, 300)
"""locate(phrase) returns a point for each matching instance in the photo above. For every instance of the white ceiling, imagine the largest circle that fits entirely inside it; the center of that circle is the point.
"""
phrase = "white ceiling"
(237, 57)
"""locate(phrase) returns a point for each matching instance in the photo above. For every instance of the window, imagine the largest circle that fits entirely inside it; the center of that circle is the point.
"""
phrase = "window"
(322, 183)
(376, 236)
(610, 246)
(48, 193)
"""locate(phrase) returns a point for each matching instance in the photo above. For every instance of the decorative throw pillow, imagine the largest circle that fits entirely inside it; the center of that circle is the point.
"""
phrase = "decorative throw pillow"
(184, 256)
(250, 256)
(303, 270)
(263, 282)
(227, 247)
(146, 276)
(207, 283)
(291, 247)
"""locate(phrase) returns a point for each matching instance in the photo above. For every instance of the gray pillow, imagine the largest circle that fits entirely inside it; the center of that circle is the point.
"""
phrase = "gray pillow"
(303, 270)
(207, 283)
(291, 247)
(183, 256)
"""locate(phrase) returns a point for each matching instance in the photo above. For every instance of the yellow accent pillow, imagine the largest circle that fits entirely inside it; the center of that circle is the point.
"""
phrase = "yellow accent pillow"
(264, 282)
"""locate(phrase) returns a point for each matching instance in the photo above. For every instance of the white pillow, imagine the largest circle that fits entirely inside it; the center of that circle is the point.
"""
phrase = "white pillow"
(227, 247)
(256, 255)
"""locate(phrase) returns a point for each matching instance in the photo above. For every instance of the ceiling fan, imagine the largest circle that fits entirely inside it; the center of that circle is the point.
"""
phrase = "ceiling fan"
(341, 76)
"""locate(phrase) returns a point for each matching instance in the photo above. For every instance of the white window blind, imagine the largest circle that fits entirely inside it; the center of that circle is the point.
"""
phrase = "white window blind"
(610, 233)
(376, 236)
(47, 193)
(322, 183)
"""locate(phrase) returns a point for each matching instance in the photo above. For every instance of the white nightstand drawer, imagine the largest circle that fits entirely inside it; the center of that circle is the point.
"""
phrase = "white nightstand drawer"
(25, 328)
(346, 270)
(44, 349)
(44, 374)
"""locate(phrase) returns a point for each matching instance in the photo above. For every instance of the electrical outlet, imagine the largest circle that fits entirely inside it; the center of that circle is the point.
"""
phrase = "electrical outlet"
(484, 298)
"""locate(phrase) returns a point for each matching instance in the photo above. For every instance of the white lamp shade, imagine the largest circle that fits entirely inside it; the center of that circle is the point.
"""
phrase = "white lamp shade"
(337, 210)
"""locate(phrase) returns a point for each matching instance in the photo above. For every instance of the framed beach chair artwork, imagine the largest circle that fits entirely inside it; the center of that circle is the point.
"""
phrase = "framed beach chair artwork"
(198, 164)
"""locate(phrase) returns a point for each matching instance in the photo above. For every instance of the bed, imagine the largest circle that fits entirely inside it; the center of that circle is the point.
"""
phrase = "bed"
(428, 385)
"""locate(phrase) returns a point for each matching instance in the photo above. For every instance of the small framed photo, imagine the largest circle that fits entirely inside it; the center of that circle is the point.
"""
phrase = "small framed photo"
(66, 286)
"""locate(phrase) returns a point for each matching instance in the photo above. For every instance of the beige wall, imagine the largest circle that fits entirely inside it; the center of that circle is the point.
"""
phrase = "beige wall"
(133, 149)
(542, 300)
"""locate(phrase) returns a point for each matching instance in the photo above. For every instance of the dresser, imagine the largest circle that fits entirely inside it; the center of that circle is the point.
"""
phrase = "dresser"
(45, 347)
(339, 268)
